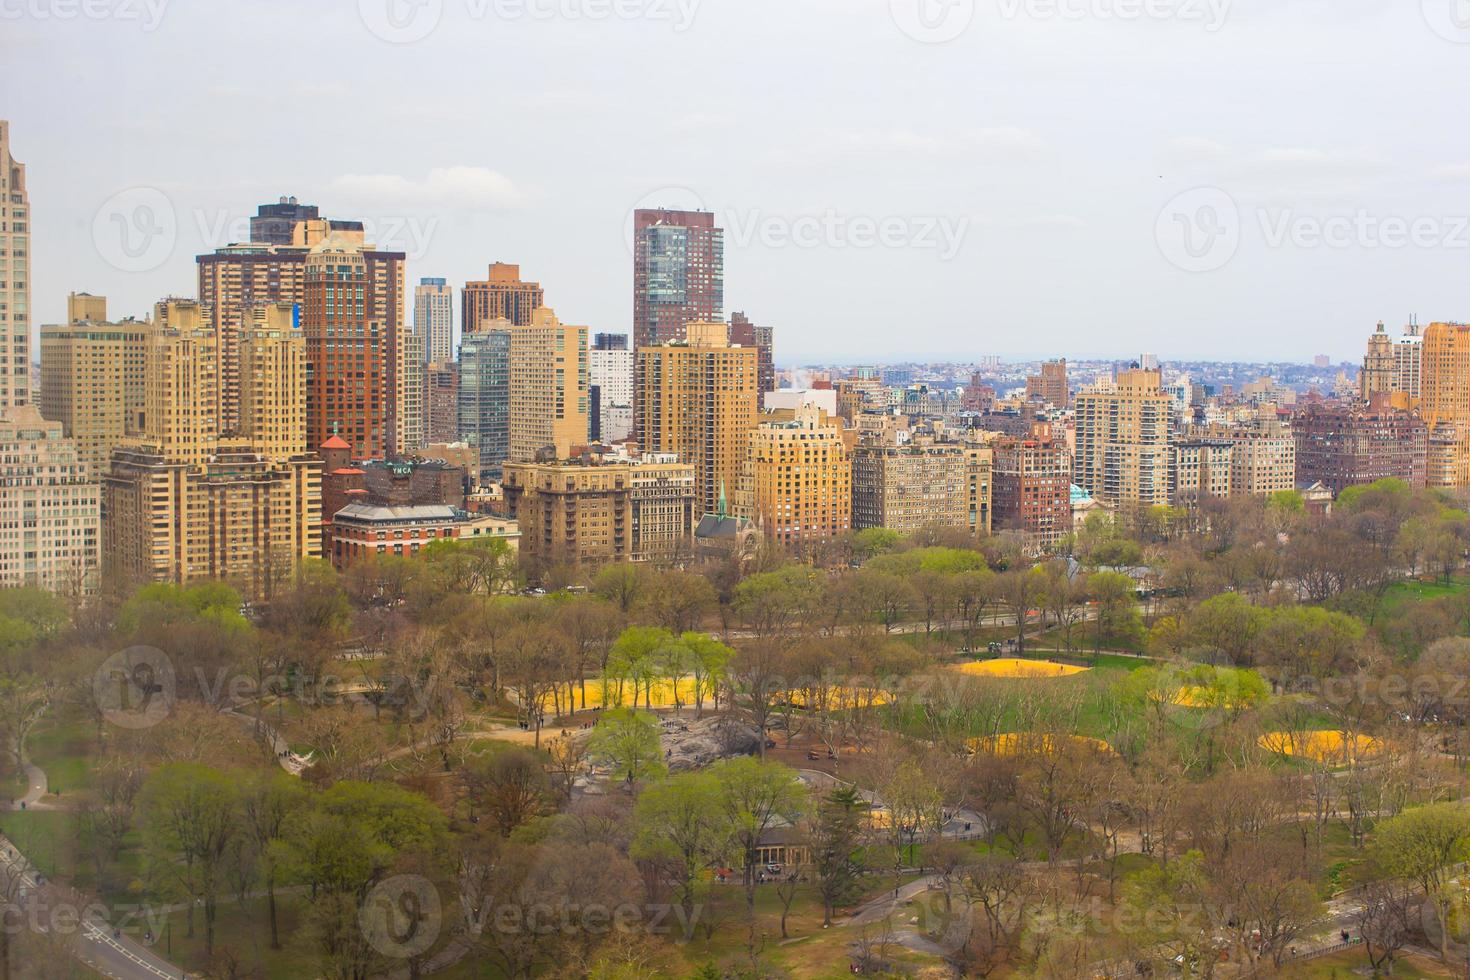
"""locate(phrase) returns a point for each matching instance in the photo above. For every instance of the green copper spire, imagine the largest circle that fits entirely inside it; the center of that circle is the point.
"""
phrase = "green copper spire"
(723, 509)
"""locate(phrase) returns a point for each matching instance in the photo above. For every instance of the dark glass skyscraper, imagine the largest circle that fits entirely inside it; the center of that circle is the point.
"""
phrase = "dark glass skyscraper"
(678, 273)
(484, 397)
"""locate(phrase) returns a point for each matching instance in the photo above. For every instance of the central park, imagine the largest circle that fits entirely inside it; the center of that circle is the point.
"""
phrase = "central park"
(1226, 743)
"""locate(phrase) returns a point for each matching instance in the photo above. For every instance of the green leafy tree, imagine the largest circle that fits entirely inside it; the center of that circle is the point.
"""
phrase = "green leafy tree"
(628, 740)
(191, 813)
(680, 834)
(1423, 845)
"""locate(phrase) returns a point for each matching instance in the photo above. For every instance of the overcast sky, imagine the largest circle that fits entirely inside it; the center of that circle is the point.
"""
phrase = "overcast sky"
(1256, 179)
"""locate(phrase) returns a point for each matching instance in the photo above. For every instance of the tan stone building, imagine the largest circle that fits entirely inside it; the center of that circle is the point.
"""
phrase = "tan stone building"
(92, 377)
(548, 391)
(1393, 366)
(1445, 405)
(698, 399)
(796, 482)
(1122, 455)
(15, 278)
(183, 503)
(905, 488)
(595, 510)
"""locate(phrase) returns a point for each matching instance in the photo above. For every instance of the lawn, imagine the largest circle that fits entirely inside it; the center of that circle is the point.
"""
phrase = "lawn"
(1416, 590)
(1353, 963)
(64, 745)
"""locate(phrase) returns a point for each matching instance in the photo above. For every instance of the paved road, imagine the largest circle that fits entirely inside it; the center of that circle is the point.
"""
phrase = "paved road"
(120, 958)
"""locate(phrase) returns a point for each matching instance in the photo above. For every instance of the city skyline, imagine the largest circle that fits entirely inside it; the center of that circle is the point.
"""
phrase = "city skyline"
(1002, 147)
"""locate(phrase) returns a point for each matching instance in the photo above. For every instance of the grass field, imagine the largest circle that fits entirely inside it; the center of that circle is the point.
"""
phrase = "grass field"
(1415, 590)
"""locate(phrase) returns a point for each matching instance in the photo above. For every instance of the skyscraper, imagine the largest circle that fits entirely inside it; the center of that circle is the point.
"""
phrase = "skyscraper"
(15, 278)
(49, 501)
(610, 370)
(433, 318)
(484, 396)
(501, 295)
(1393, 367)
(1123, 440)
(356, 349)
(274, 224)
(186, 504)
(548, 396)
(698, 398)
(678, 274)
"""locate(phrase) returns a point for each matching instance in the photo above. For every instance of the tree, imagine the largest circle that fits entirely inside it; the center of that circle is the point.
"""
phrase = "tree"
(509, 785)
(1423, 845)
(1387, 921)
(836, 835)
(628, 740)
(191, 812)
(1019, 591)
(1165, 904)
(753, 797)
(269, 802)
(680, 835)
(709, 662)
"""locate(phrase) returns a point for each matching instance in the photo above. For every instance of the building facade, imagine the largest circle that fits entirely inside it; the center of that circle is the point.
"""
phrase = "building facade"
(501, 295)
(610, 374)
(15, 278)
(443, 401)
(547, 400)
(1199, 469)
(92, 377)
(1122, 455)
(1051, 386)
(1340, 447)
(698, 400)
(484, 396)
(796, 482)
(1445, 402)
(905, 488)
(763, 339)
(433, 318)
(50, 507)
(361, 532)
(1032, 489)
(595, 510)
(678, 274)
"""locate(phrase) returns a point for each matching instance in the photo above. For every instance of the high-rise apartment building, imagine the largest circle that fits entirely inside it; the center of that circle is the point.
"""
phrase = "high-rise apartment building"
(433, 318)
(595, 510)
(610, 372)
(275, 224)
(678, 274)
(443, 401)
(411, 418)
(356, 349)
(548, 394)
(234, 280)
(1341, 447)
(484, 396)
(1199, 469)
(980, 492)
(763, 339)
(1032, 489)
(501, 295)
(905, 488)
(1445, 402)
(698, 399)
(92, 377)
(1122, 456)
(1393, 367)
(49, 499)
(184, 504)
(796, 482)
(1262, 455)
(15, 278)
(1051, 385)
